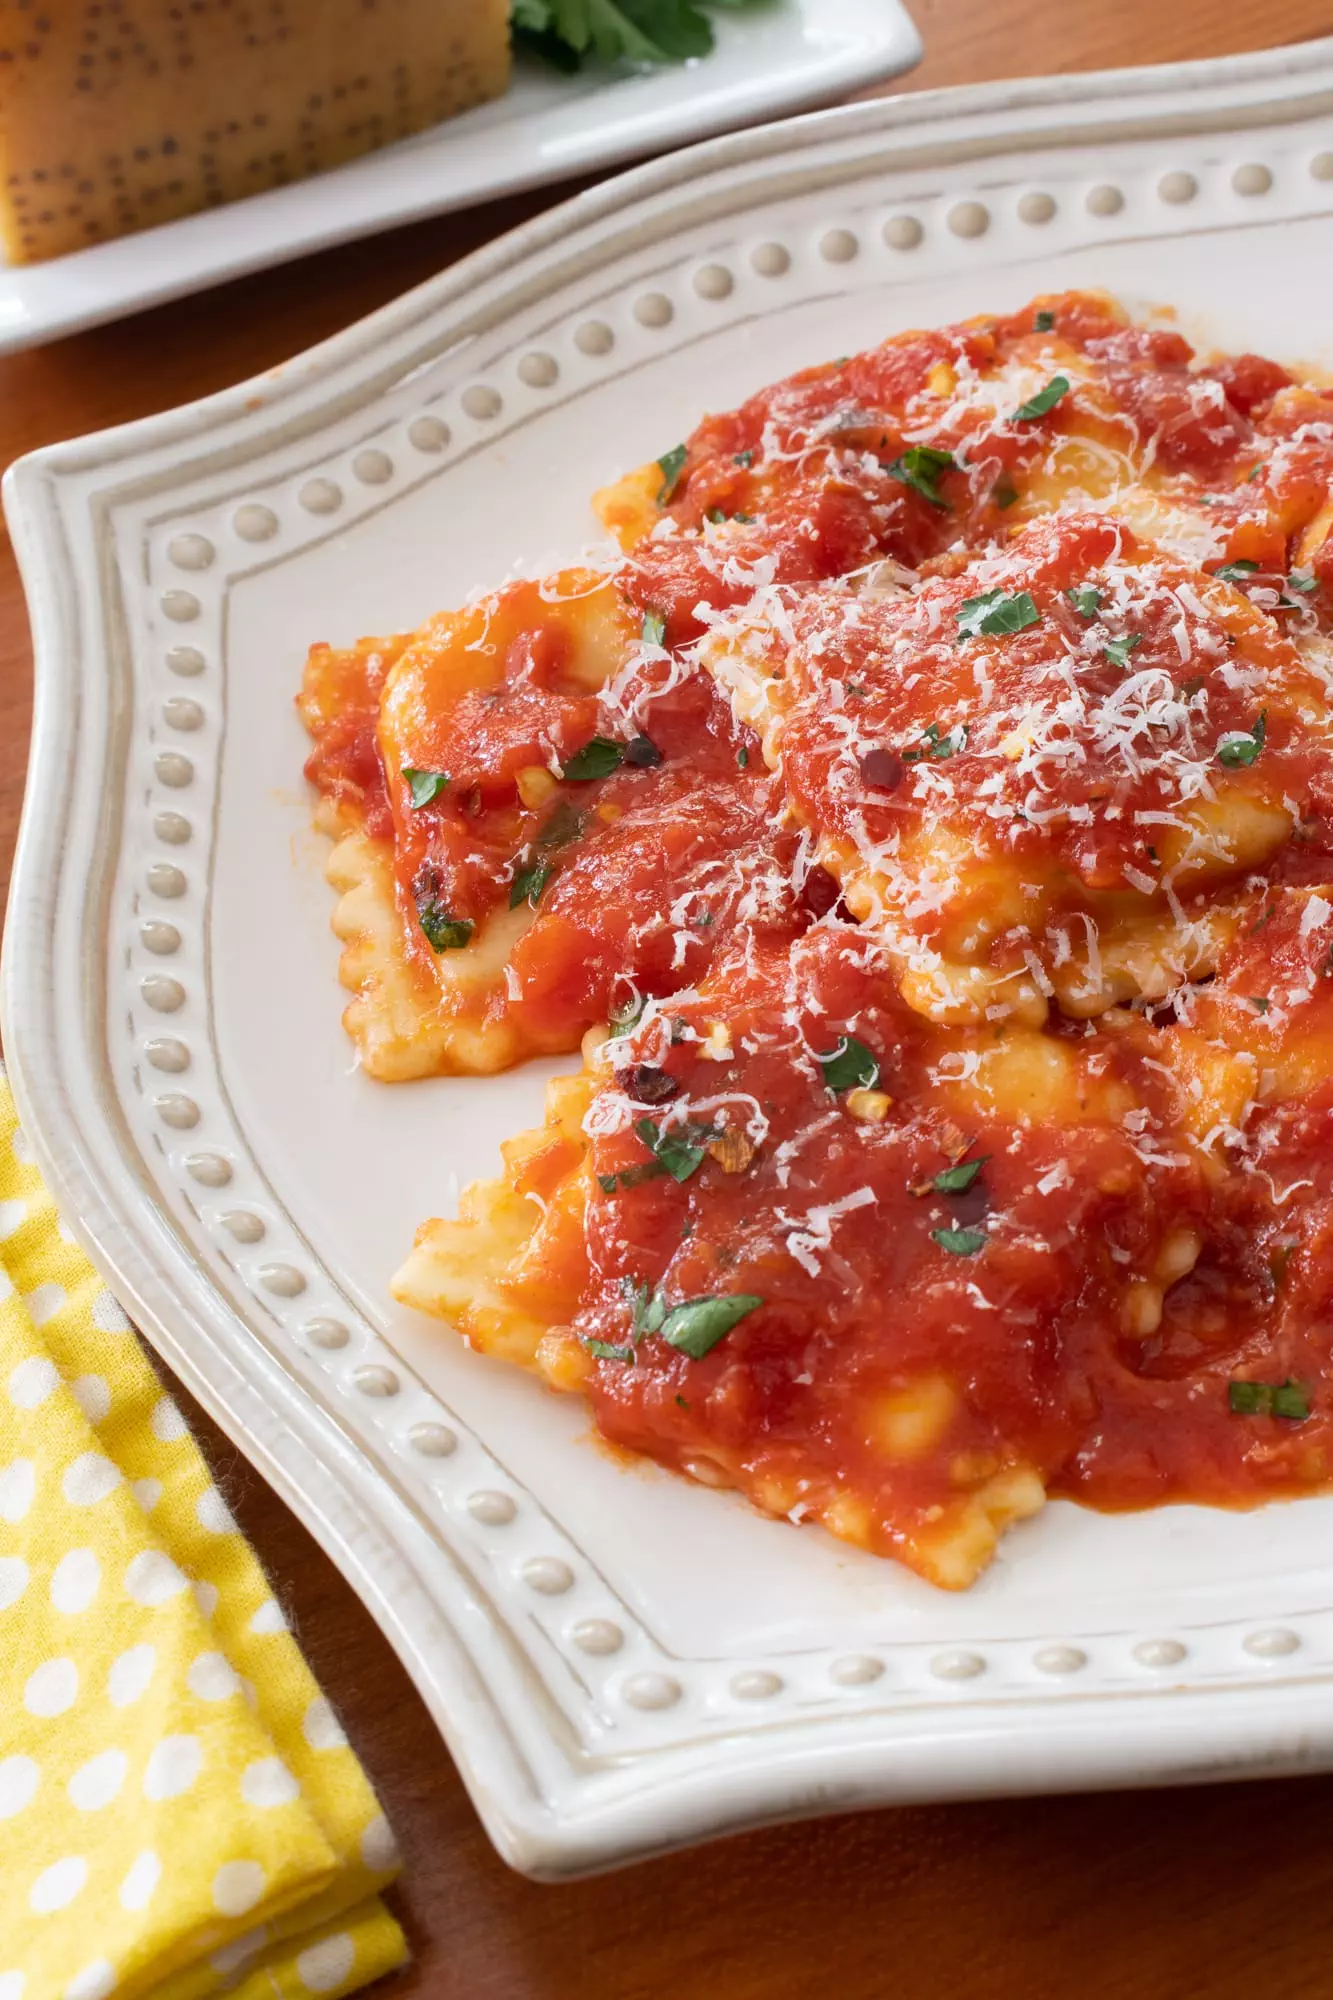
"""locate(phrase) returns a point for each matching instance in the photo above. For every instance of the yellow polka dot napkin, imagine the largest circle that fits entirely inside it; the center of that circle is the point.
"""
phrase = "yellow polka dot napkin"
(180, 1814)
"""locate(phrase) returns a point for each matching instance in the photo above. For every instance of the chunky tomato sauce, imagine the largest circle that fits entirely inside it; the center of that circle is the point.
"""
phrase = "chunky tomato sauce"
(935, 799)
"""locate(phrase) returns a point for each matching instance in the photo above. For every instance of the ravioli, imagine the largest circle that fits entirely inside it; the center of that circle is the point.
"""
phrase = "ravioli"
(923, 826)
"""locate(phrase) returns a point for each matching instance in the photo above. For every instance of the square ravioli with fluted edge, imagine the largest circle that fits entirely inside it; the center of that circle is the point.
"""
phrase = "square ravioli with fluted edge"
(921, 822)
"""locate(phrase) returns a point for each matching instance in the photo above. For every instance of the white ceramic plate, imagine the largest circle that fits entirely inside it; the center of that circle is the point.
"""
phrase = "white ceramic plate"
(619, 1661)
(775, 57)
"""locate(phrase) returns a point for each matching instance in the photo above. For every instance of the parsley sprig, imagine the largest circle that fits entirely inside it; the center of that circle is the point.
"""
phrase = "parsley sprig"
(566, 33)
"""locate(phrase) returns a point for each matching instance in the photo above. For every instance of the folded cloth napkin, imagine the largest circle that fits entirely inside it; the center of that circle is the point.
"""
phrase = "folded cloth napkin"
(180, 1814)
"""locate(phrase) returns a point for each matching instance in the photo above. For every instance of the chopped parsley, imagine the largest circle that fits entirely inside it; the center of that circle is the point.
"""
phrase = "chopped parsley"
(628, 1177)
(626, 1016)
(957, 1180)
(1269, 1399)
(1242, 749)
(528, 883)
(994, 614)
(671, 464)
(745, 459)
(679, 1152)
(1003, 493)
(424, 785)
(851, 1066)
(1044, 400)
(441, 931)
(1043, 322)
(920, 467)
(1236, 572)
(654, 629)
(742, 757)
(1303, 580)
(935, 746)
(1086, 600)
(1118, 651)
(597, 759)
(716, 515)
(1260, 1002)
(606, 1350)
(959, 1242)
(696, 1327)
(566, 823)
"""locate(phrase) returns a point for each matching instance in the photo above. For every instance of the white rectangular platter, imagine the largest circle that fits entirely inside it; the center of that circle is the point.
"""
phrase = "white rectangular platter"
(772, 57)
(619, 1662)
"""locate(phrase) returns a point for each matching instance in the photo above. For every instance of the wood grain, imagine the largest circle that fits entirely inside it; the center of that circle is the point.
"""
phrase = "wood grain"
(1149, 1896)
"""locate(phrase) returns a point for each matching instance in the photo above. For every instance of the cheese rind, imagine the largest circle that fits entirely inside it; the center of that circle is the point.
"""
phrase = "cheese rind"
(115, 118)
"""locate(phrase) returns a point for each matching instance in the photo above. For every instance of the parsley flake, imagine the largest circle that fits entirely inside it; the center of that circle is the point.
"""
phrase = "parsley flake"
(1003, 493)
(626, 1016)
(1118, 651)
(716, 515)
(679, 1152)
(597, 759)
(606, 1350)
(959, 1242)
(441, 931)
(920, 467)
(1043, 322)
(1236, 572)
(1242, 749)
(1303, 580)
(994, 614)
(1044, 400)
(671, 464)
(1086, 600)
(1260, 1002)
(851, 1066)
(528, 884)
(742, 757)
(935, 746)
(957, 1180)
(424, 785)
(745, 459)
(696, 1327)
(1287, 1399)
(654, 629)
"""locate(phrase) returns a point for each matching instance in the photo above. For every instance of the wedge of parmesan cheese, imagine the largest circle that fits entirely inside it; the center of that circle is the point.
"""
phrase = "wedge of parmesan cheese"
(115, 116)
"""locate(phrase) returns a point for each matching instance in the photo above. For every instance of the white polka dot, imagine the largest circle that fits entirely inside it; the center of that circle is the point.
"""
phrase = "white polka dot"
(51, 1688)
(44, 1303)
(12, 1985)
(167, 1421)
(212, 1512)
(57, 1886)
(153, 1577)
(233, 1956)
(11, 1217)
(147, 1492)
(238, 1886)
(13, 1580)
(269, 1617)
(32, 1382)
(379, 1850)
(109, 1315)
(19, 1146)
(325, 1965)
(323, 1731)
(206, 1597)
(18, 1483)
(92, 1393)
(212, 1677)
(96, 1982)
(75, 1582)
(89, 1479)
(19, 1779)
(145, 1873)
(130, 1674)
(64, 1232)
(97, 1782)
(172, 1768)
(268, 1782)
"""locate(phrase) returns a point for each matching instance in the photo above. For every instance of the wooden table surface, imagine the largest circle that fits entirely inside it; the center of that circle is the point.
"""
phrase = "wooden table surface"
(1185, 1895)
